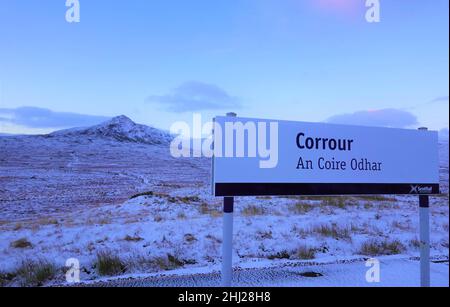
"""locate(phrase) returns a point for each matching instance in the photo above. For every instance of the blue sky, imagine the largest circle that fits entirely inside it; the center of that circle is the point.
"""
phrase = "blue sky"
(157, 61)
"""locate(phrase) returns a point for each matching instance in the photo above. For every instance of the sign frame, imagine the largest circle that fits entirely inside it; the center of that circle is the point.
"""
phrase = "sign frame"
(317, 188)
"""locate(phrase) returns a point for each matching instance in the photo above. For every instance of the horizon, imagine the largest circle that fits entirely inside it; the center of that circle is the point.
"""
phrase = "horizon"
(443, 134)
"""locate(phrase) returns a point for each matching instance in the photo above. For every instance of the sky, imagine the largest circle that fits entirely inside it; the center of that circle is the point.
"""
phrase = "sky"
(159, 61)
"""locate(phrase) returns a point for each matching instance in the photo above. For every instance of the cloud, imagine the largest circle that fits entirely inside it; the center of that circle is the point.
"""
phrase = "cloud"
(435, 101)
(196, 96)
(393, 118)
(347, 7)
(440, 99)
(33, 117)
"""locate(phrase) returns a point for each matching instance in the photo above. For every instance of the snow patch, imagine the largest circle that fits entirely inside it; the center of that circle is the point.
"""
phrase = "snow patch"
(121, 129)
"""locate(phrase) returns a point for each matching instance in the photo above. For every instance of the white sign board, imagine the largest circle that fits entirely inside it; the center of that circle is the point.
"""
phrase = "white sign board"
(264, 157)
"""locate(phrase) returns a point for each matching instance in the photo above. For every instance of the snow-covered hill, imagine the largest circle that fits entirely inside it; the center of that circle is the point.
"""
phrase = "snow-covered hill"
(121, 129)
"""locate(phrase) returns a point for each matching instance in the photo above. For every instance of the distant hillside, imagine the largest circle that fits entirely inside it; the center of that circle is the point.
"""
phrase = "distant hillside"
(443, 161)
(121, 129)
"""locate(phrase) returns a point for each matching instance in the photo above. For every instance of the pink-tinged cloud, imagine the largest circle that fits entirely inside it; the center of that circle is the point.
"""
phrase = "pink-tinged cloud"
(345, 7)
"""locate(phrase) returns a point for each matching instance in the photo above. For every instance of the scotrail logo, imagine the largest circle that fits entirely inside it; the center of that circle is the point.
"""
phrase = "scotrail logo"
(416, 189)
(231, 139)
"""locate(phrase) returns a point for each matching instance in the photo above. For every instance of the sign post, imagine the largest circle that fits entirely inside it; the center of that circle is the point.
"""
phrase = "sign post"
(227, 245)
(424, 216)
(424, 241)
(261, 157)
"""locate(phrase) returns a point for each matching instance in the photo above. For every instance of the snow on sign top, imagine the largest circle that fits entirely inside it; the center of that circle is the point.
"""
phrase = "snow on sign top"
(257, 157)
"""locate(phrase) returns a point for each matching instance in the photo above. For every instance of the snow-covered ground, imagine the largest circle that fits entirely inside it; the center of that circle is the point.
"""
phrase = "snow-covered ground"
(72, 194)
(394, 272)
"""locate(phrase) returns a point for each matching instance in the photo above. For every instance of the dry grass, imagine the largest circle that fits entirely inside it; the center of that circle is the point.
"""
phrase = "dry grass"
(17, 227)
(280, 255)
(141, 263)
(415, 243)
(190, 238)
(401, 226)
(181, 216)
(208, 209)
(185, 199)
(21, 243)
(158, 218)
(253, 210)
(377, 198)
(265, 234)
(109, 264)
(303, 252)
(333, 231)
(6, 278)
(216, 213)
(343, 201)
(47, 221)
(134, 238)
(332, 201)
(35, 273)
(101, 220)
(355, 228)
(302, 232)
(300, 208)
(150, 193)
(170, 199)
(368, 205)
(374, 247)
(204, 208)
(214, 239)
(170, 262)
(338, 202)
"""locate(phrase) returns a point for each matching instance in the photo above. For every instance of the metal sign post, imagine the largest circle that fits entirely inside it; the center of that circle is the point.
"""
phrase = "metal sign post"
(424, 241)
(424, 216)
(227, 243)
